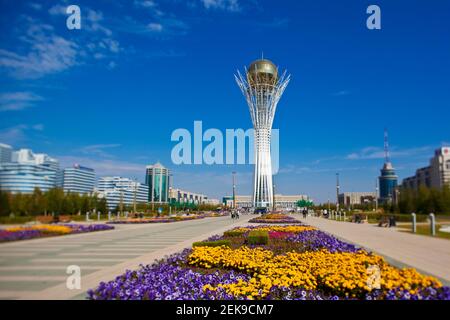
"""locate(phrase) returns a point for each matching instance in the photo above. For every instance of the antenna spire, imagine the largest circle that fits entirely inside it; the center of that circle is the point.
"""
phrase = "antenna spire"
(386, 146)
(262, 55)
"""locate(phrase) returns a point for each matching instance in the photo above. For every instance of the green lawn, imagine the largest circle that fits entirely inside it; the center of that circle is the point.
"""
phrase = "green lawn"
(425, 231)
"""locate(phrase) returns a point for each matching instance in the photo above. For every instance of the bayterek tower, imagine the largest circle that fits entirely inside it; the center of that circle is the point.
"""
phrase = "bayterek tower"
(262, 86)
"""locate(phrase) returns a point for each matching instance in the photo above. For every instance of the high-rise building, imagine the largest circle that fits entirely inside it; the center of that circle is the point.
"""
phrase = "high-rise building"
(119, 190)
(388, 178)
(5, 153)
(157, 179)
(262, 87)
(78, 179)
(28, 171)
(436, 175)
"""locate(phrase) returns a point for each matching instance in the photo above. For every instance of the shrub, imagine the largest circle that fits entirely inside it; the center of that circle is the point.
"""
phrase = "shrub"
(216, 243)
(258, 237)
(233, 233)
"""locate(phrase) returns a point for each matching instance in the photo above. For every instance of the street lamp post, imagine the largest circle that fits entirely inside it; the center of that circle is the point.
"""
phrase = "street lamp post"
(234, 189)
(134, 200)
(274, 201)
(376, 195)
(337, 192)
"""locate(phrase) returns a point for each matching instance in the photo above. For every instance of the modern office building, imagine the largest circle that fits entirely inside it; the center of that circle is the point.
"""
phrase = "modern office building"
(436, 175)
(262, 88)
(281, 201)
(27, 171)
(119, 190)
(182, 196)
(388, 179)
(5, 153)
(157, 178)
(78, 179)
(347, 199)
(214, 202)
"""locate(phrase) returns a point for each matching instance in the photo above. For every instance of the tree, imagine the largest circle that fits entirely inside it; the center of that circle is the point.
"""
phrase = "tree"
(102, 205)
(37, 203)
(55, 198)
(5, 208)
(304, 203)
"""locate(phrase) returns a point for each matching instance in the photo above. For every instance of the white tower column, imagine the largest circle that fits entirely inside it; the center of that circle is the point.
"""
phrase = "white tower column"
(262, 87)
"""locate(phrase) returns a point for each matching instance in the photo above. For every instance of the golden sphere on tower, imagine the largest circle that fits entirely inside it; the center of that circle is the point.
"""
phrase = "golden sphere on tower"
(262, 71)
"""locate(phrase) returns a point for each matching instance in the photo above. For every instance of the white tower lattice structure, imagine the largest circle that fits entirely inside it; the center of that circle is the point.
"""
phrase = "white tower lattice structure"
(262, 88)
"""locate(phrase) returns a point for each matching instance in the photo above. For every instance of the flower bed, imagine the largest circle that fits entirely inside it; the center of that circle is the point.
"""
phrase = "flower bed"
(48, 230)
(274, 218)
(298, 262)
(156, 220)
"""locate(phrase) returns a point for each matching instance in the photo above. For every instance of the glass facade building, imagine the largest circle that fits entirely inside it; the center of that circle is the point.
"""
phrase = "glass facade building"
(27, 171)
(157, 178)
(78, 179)
(119, 190)
(388, 183)
(5, 153)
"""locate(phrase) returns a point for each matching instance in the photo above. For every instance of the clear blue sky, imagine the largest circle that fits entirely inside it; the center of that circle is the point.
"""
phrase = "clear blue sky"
(109, 95)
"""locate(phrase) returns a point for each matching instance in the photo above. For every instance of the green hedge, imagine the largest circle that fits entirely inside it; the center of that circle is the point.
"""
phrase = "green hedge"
(216, 243)
(233, 233)
(258, 237)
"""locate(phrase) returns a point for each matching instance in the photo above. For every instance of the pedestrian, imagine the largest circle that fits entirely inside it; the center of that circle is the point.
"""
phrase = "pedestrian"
(305, 213)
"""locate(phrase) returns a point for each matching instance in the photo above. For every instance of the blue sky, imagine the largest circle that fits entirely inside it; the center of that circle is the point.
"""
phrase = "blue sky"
(109, 95)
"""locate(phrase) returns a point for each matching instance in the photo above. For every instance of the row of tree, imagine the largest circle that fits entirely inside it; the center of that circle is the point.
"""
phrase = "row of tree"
(424, 201)
(54, 201)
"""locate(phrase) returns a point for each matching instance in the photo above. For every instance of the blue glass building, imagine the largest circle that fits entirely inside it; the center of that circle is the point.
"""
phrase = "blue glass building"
(388, 183)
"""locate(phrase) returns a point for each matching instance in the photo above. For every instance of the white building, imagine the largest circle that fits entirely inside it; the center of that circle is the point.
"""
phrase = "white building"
(212, 201)
(281, 201)
(5, 153)
(436, 175)
(183, 196)
(119, 190)
(78, 179)
(27, 171)
(356, 198)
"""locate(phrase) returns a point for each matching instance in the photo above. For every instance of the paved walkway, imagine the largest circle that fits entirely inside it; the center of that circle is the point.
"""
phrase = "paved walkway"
(36, 269)
(426, 254)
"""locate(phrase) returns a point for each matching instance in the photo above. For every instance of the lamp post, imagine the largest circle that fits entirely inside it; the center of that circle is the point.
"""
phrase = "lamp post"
(376, 195)
(134, 199)
(337, 191)
(274, 201)
(234, 189)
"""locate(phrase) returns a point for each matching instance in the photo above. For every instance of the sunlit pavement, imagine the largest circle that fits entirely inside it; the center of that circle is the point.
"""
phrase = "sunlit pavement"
(36, 269)
(426, 254)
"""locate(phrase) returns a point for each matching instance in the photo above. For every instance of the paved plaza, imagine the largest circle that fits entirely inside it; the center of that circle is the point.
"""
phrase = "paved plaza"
(36, 269)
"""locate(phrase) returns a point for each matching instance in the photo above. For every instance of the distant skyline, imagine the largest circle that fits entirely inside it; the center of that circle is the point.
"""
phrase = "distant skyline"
(109, 96)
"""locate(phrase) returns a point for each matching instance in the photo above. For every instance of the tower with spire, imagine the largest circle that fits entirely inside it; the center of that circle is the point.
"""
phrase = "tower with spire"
(388, 178)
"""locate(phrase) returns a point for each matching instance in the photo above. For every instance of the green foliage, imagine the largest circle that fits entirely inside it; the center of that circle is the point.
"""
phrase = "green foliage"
(54, 201)
(4, 204)
(304, 203)
(258, 237)
(216, 243)
(233, 233)
(425, 200)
